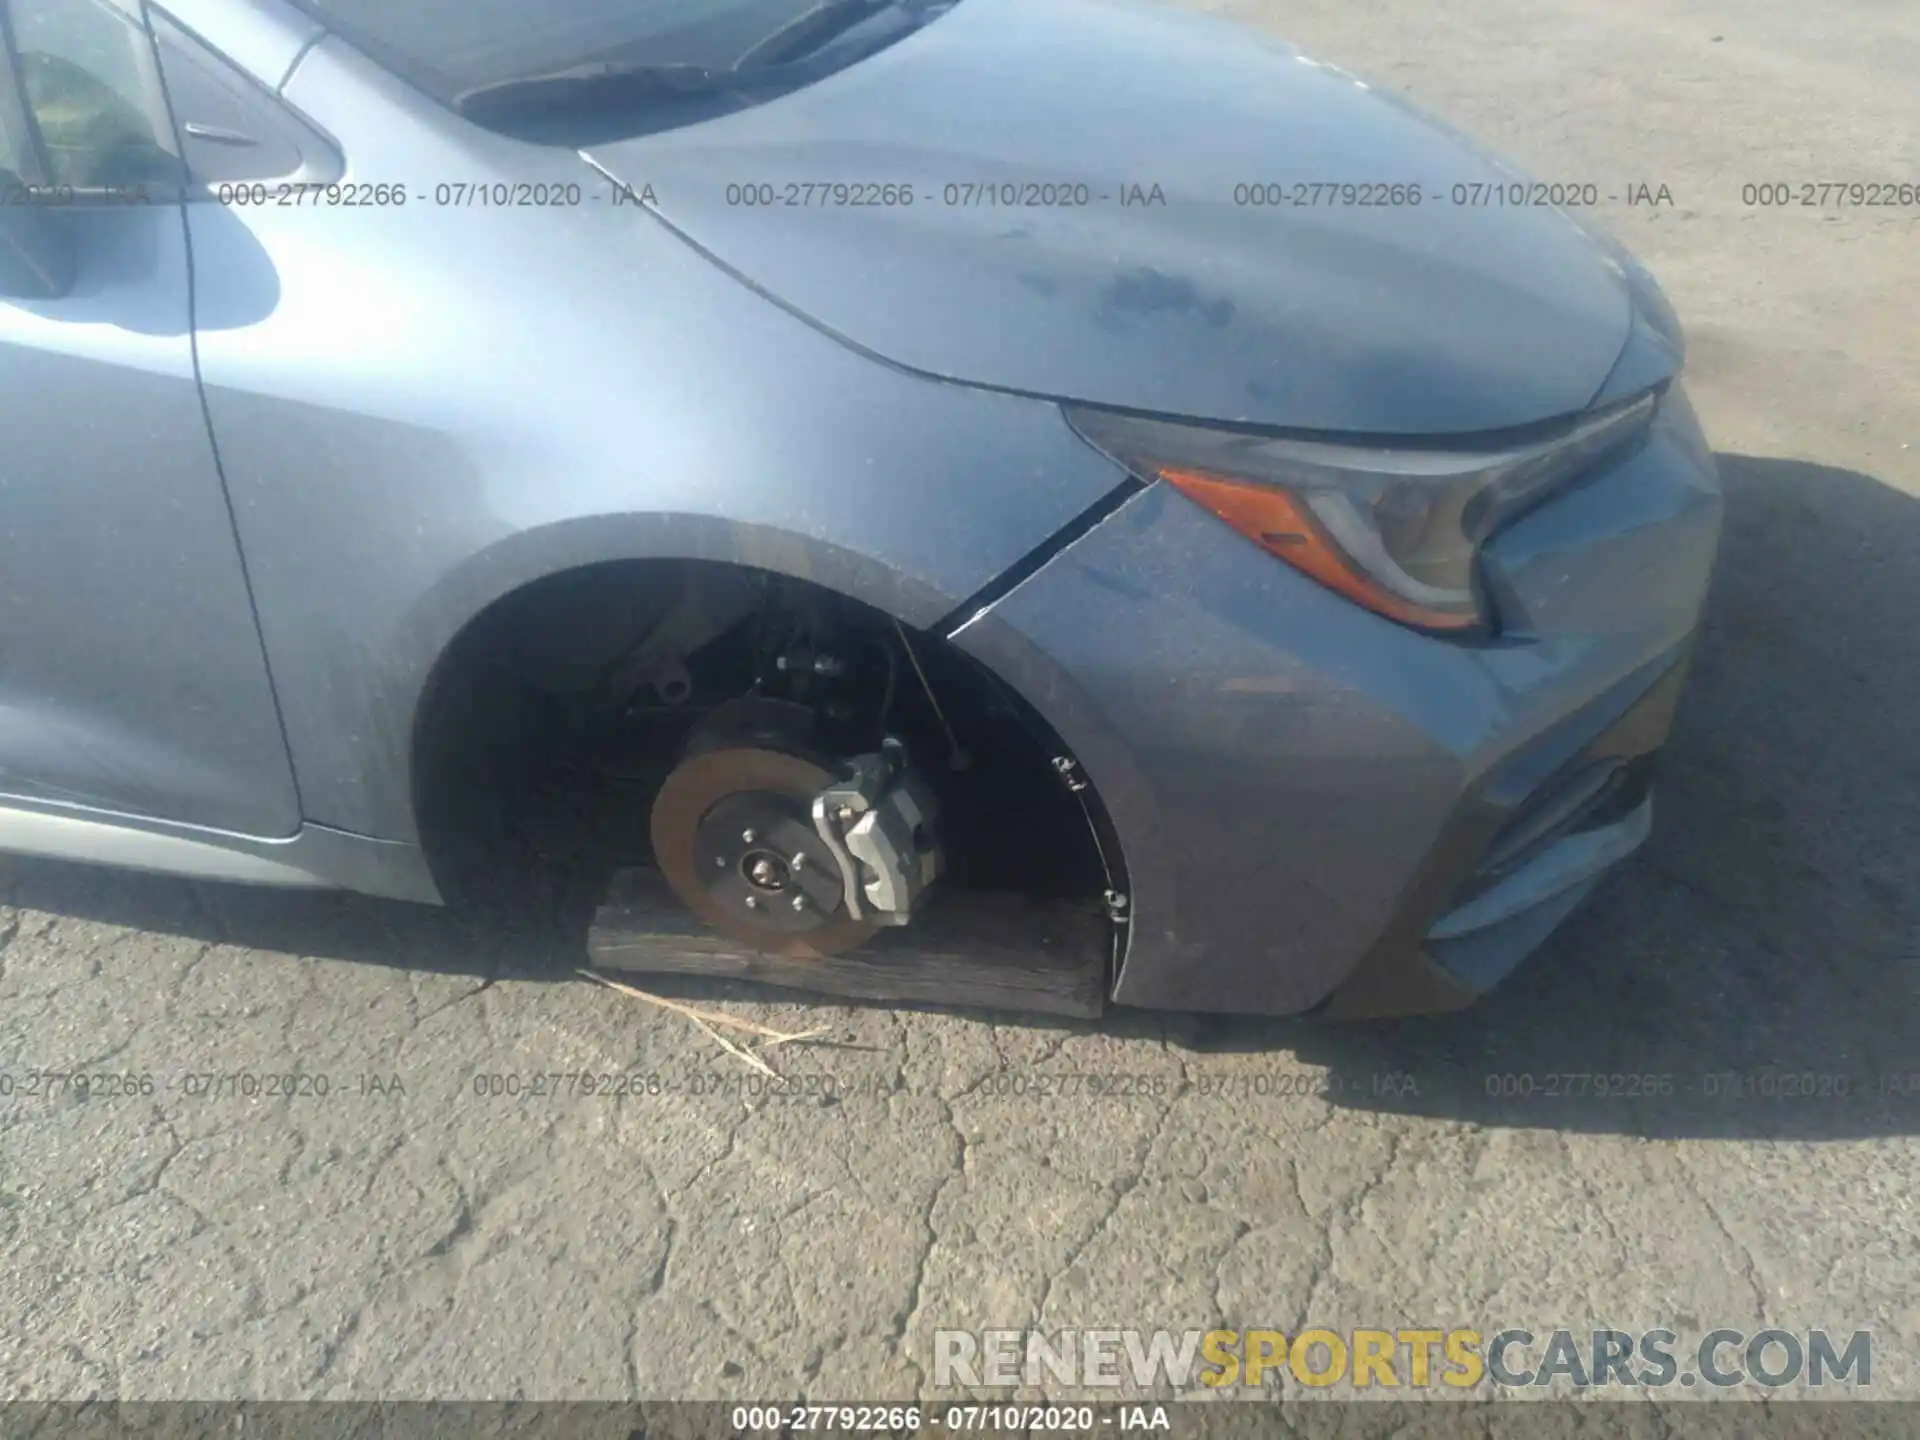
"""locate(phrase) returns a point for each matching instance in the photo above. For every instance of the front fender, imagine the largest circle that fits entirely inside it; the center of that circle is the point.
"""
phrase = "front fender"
(421, 408)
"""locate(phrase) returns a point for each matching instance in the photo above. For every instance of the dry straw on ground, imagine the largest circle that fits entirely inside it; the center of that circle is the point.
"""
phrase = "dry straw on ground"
(707, 1020)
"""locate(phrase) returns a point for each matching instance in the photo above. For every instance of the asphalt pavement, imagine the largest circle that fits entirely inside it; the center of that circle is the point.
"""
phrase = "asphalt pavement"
(196, 1232)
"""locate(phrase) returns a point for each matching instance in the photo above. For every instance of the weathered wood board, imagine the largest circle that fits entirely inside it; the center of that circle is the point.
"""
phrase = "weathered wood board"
(998, 951)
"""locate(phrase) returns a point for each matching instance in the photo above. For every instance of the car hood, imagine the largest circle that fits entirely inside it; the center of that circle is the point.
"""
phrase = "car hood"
(1161, 293)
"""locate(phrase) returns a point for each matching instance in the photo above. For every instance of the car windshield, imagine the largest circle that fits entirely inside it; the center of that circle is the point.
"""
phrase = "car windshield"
(456, 48)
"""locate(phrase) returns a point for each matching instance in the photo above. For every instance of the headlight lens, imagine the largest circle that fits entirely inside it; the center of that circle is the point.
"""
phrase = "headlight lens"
(1396, 530)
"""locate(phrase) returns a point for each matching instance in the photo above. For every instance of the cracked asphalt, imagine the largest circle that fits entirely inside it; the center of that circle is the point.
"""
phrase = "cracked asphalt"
(406, 1235)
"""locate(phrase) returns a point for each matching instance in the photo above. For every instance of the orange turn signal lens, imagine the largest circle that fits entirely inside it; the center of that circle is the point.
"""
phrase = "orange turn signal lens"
(1286, 529)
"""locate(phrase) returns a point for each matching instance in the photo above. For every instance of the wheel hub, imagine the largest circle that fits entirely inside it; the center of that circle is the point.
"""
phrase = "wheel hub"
(766, 872)
(757, 855)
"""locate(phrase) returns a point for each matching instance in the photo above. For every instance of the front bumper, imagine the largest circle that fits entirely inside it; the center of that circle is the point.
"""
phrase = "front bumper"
(1528, 843)
(1318, 808)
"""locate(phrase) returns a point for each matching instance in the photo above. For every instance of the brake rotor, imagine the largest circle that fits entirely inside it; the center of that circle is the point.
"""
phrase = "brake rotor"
(733, 835)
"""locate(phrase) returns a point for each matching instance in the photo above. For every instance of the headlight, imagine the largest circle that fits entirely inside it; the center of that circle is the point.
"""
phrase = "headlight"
(1396, 530)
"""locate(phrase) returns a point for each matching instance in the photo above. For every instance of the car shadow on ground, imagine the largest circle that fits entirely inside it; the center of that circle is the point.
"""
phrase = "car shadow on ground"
(1754, 973)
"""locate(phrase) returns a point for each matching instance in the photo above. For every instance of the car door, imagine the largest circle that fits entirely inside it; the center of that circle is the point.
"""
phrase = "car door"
(132, 677)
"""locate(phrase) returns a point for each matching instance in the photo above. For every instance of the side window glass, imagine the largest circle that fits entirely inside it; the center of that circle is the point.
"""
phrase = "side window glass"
(93, 92)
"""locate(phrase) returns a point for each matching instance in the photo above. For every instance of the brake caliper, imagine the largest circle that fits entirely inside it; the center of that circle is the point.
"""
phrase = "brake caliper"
(878, 820)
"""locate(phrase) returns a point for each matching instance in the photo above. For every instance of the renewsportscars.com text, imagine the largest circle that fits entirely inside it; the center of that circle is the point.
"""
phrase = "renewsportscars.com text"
(1409, 1358)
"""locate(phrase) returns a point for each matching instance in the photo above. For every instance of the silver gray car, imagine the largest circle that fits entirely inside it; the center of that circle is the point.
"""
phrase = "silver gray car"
(897, 454)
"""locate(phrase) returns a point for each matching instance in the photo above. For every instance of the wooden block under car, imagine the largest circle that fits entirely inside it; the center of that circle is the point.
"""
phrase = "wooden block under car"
(992, 950)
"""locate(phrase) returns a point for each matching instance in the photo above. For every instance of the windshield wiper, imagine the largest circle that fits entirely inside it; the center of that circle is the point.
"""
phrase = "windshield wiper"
(585, 86)
(792, 54)
(808, 30)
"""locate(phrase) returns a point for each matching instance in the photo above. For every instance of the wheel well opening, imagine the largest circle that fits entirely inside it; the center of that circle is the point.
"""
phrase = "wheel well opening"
(553, 720)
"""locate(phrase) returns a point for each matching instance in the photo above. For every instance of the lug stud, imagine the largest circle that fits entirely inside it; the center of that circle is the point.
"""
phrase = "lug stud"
(800, 861)
(799, 902)
(747, 837)
(753, 902)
